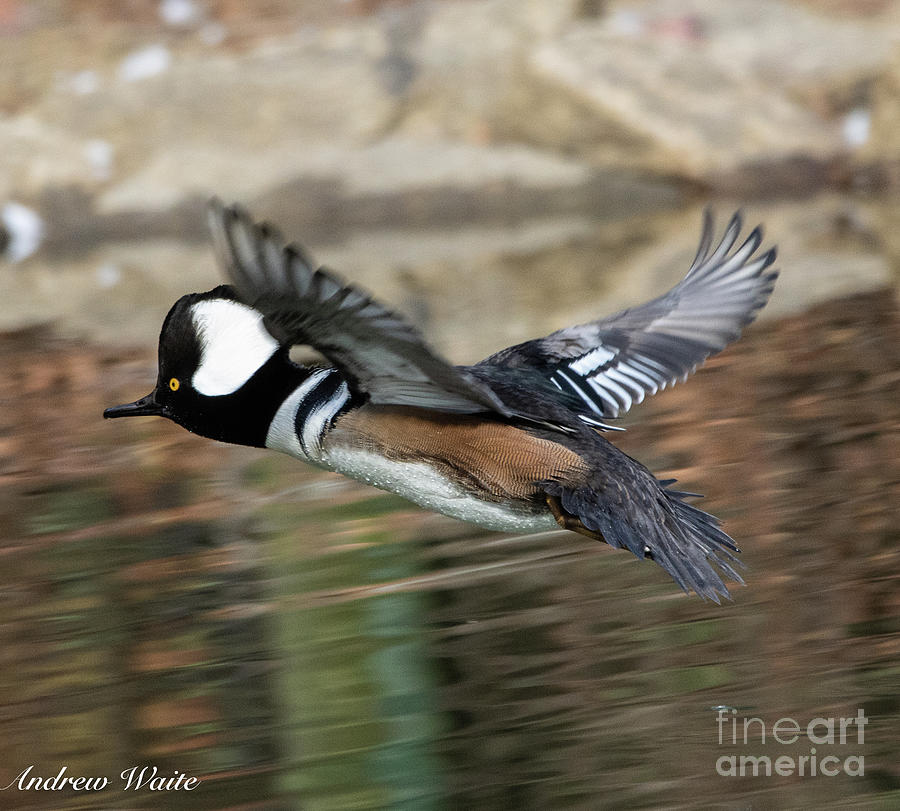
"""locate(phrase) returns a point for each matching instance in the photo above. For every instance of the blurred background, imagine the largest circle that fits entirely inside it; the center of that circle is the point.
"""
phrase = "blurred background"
(496, 169)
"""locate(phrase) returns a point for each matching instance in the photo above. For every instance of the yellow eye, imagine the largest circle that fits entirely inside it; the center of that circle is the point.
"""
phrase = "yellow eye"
(174, 384)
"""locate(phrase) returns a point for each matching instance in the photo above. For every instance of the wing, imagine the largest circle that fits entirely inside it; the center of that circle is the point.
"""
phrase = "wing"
(381, 355)
(615, 362)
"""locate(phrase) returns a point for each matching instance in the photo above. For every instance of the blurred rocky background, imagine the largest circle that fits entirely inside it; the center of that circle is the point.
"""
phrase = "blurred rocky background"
(457, 156)
(496, 169)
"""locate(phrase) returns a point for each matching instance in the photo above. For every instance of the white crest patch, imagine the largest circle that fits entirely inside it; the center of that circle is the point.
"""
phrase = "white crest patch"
(233, 345)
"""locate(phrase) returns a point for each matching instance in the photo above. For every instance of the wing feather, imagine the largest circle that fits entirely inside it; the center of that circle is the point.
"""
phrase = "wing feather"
(614, 362)
(379, 353)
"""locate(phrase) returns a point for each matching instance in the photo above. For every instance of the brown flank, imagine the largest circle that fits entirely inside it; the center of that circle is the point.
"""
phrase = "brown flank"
(486, 455)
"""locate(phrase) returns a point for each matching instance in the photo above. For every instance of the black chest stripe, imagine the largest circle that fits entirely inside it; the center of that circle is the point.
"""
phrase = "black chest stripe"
(324, 394)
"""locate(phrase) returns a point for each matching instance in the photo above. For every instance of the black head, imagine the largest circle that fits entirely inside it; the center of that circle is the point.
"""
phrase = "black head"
(221, 374)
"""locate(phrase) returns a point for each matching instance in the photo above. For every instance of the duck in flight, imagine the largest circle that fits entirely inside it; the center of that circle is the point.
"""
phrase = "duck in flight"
(514, 443)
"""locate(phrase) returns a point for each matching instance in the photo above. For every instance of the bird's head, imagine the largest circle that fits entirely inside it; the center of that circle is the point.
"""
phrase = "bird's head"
(221, 373)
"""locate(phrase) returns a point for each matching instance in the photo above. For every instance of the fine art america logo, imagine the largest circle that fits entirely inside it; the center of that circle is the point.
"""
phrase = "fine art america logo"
(137, 778)
(829, 751)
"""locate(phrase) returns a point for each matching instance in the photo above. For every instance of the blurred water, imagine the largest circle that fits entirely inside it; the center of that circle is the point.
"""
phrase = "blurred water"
(295, 640)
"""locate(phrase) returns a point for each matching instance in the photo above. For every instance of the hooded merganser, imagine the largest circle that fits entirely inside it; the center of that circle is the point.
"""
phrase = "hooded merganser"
(512, 443)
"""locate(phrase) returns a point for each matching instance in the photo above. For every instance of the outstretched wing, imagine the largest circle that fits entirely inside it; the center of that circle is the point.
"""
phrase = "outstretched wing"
(614, 362)
(381, 355)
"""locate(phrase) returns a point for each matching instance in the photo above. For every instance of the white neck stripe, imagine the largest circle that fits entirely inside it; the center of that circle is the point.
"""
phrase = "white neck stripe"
(282, 434)
(319, 418)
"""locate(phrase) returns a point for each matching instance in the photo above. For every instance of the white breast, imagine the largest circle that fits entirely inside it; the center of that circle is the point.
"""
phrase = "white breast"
(427, 487)
(282, 434)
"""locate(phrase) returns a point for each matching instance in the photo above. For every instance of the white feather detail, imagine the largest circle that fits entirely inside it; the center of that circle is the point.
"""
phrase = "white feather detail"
(631, 369)
(604, 395)
(610, 385)
(233, 345)
(637, 392)
(282, 435)
(591, 361)
(318, 419)
(579, 391)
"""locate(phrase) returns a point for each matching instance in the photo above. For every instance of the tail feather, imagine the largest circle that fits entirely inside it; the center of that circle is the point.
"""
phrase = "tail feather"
(655, 523)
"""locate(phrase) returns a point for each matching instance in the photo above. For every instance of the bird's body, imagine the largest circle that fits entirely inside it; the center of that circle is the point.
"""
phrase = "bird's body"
(512, 444)
(470, 470)
(483, 471)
